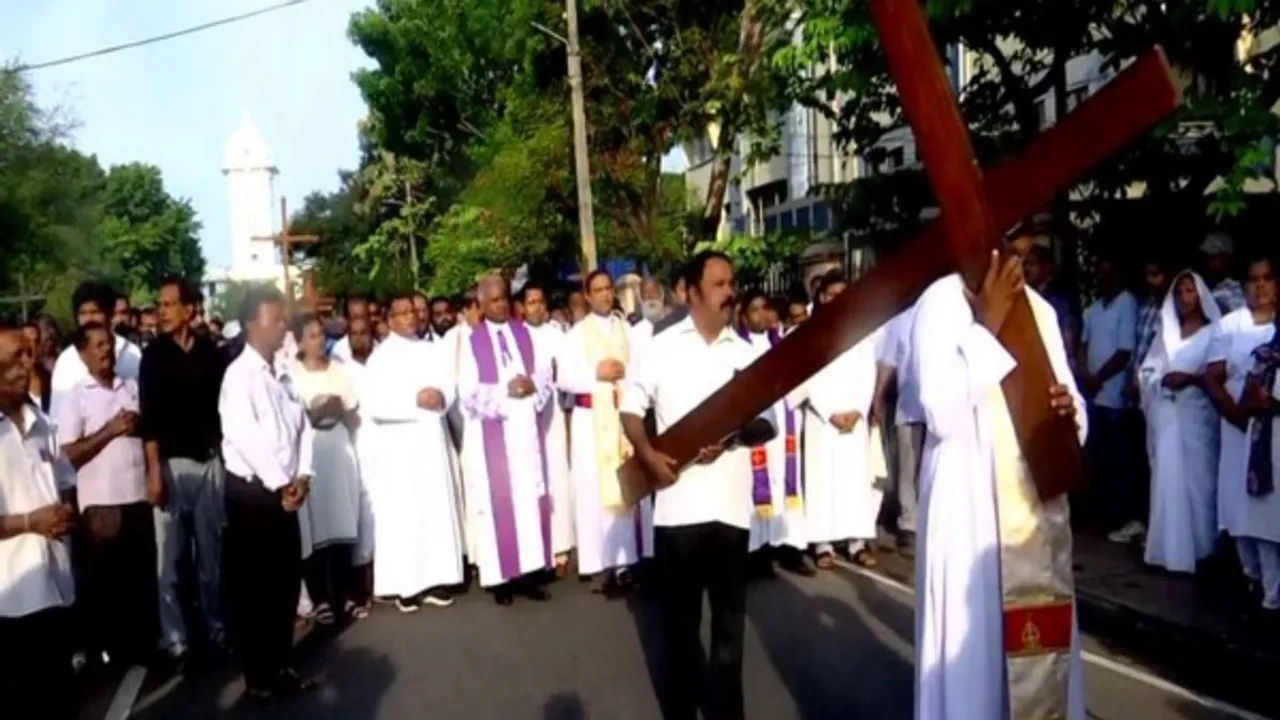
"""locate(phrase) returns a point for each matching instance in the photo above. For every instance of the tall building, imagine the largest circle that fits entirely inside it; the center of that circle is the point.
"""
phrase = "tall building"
(250, 175)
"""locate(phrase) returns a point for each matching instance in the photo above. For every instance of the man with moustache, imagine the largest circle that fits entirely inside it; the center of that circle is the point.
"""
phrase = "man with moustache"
(356, 307)
(443, 316)
(266, 445)
(702, 512)
(96, 427)
(37, 514)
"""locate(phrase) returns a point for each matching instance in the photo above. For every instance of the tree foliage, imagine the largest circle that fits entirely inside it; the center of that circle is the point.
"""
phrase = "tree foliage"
(63, 217)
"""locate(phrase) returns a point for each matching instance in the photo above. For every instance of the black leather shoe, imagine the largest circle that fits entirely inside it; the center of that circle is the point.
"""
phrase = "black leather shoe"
(503, 597)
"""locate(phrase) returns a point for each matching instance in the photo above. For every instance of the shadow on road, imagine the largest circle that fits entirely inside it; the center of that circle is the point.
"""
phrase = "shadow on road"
(564, 706)
(353, 684)
(820, 646)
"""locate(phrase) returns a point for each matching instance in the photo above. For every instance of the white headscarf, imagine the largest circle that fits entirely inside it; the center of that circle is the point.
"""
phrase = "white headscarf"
(1171, 340)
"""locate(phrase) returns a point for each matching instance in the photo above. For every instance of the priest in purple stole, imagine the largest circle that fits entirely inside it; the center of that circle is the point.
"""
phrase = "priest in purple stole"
(502, 386)
(778, 526)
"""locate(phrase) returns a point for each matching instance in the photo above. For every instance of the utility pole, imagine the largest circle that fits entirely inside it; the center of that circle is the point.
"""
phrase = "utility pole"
(586, 217)
(413, 241)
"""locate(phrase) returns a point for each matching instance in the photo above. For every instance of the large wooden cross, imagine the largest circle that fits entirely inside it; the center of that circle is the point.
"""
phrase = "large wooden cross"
(287, 240)
(977, 211)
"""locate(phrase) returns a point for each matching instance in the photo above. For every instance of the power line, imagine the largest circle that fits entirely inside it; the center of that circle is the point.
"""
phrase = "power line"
(158, 38)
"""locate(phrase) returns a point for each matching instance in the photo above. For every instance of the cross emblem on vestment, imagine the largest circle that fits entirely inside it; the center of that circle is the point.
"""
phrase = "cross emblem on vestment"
(978, 208)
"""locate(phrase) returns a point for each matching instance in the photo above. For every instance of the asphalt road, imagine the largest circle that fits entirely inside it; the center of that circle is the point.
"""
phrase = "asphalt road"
(836, 646)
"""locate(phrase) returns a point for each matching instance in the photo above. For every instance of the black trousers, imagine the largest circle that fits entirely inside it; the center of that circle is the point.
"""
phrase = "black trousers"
(262, 553)
(36, 680)
(331, 578)
(693, 559)
(119, 576)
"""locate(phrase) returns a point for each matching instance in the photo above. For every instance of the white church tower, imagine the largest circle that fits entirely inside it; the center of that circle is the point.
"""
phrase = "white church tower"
(250, 179)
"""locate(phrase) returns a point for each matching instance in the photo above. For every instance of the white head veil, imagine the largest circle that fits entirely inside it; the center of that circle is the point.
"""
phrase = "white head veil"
(1171, 325)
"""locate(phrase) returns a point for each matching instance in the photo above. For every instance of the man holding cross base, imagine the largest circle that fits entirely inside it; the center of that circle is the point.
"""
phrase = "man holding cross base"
(971, 461)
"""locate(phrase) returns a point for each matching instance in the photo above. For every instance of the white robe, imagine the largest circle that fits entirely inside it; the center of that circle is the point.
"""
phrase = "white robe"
(523, 455)
(548, 342)
(1182, 430)
(960, 666)
(1240, 514)
(455, 343)
(333, 505)
(365, 456)
(410, 483)
(606, 539)
(785, 526)
(841, 500)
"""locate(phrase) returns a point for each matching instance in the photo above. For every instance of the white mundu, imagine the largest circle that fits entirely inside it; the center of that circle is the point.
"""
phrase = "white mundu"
(959, 364)
(841, 502)
(609, 534)
(548, 341)
(410, 482)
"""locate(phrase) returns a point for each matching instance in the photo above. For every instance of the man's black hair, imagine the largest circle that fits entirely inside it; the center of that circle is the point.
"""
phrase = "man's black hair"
(441, 299)
(529, 287)
(697, 267)
(80, 338)
(254, 299)
(586, 282)
(751, 295)
(96, 292)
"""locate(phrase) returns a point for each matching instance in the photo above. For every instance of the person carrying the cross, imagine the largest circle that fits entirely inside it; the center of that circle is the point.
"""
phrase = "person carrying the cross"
(975, 507)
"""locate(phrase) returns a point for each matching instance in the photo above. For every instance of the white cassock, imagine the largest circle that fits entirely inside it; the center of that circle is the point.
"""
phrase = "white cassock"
(548, 341)
(1182, 432)
(784, 523)
(506, 489)
(455, 343)
(365, 457)
(958, 363)
(607, 537)
(410, 483)
(841, 501)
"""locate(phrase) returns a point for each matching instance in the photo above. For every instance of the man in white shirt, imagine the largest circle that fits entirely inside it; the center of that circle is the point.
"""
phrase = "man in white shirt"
(92, 302)
(36, 586)
(908, 429)
(355, 307)
(702, 514)
(1107, 342)
(266, 446)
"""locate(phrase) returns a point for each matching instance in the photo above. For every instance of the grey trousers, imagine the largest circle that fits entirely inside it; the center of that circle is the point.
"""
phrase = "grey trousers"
(195, 505)
(909, 442)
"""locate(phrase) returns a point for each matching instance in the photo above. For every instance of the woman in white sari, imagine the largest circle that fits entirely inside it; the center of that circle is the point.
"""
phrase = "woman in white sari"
(1182, 423)
(332, 509)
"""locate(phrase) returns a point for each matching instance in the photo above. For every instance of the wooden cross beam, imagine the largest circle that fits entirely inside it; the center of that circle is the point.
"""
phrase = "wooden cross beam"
(976, 212)
(286, 241)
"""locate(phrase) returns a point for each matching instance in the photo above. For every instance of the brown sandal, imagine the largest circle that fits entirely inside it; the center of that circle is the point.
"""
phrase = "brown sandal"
(864, 559)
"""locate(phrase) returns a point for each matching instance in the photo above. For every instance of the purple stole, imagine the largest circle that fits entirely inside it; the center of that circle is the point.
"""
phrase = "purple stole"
(495, 450)
(761, 490)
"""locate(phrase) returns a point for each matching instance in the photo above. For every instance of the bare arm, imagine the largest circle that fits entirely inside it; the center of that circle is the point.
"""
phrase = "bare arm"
(82, 451)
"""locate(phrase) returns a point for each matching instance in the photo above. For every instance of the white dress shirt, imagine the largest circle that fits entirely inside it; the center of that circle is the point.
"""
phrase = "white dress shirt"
(679, 370)
(896, 353)
(69, 370)
(35, 572)
(265, 432)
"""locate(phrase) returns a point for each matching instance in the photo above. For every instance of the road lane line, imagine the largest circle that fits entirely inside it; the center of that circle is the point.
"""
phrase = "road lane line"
(126, 693)
(1133, 673)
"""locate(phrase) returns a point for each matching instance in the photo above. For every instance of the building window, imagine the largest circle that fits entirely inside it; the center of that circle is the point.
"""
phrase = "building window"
(739, 224)
(770, 223)
(1042, 111)
(788, 221)
(802, 218)
(1075, 96)
(894, 159)
(821, 216)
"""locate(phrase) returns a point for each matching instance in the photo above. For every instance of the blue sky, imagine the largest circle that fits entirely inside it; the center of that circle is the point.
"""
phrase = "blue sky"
(174, 103)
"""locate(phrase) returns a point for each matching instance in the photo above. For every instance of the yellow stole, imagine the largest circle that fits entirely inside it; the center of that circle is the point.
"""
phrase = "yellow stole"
(1037, 590)
(612, 448)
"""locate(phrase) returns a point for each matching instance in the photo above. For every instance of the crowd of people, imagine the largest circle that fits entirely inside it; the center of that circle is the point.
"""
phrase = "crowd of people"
(409, 446)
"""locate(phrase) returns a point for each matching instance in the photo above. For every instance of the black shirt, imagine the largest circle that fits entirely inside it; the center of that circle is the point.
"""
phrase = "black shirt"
(178, 397)
(677, 314)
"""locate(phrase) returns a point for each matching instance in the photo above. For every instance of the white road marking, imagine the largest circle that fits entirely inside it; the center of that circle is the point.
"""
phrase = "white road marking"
(1133, 673)
(126, 693)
